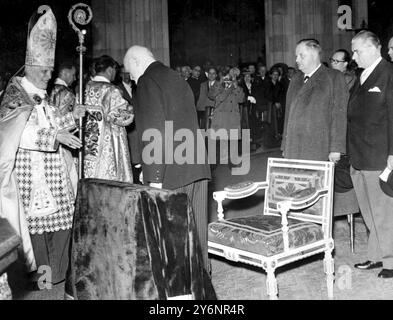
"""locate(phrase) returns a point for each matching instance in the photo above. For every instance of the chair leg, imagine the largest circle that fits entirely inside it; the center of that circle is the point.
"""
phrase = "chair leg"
(329, 270)
(271, 284)
(352, 232)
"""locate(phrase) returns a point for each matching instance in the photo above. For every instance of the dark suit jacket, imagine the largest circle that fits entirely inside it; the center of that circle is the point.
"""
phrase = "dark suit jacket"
(260, 91)
(195, 85)
(164, 96)
(316, 116)
(125, 93)
(132, 135)
(370, 120)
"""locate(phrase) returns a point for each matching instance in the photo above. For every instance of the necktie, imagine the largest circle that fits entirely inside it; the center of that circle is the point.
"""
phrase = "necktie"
(306, 78)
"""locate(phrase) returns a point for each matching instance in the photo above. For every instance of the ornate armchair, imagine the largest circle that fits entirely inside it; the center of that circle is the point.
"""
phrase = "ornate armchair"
(296, 221)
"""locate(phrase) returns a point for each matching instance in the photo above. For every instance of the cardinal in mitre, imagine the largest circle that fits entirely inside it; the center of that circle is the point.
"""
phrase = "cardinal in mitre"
(37, 193)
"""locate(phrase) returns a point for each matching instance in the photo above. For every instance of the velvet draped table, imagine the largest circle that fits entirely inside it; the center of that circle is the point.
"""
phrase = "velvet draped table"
(133, 242)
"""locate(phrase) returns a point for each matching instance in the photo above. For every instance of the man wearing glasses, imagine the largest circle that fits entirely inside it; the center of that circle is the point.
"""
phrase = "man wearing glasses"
(341, 61)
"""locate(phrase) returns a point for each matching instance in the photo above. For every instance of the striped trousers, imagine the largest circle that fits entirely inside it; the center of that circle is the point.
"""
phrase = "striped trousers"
(198, 193)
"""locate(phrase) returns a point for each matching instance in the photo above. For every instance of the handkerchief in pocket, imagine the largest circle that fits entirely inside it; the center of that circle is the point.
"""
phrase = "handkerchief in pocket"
(375, 89)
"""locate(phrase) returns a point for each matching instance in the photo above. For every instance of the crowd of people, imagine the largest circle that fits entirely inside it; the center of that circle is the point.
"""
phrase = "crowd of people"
(260, 96)
(339, 112)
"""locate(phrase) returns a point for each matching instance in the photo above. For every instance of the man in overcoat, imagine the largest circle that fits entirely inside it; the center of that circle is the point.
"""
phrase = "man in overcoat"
(316, 109)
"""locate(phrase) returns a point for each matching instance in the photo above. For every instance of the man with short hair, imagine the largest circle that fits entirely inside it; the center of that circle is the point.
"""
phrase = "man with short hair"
(126, 85)
(62, 95)
(63, 98)
(340, 61)
(291, 73)
(162, 97)
(252, 70)
(205, 104)
(316, 108)
(195, 82)
(259, 111)
(106, 151)
(370, 148)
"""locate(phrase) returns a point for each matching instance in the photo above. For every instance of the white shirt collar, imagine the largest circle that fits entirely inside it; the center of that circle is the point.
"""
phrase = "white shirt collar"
(127, 85)
(31, 89)
(366, 73)
(128, 88)
(312, 73)
(61, 82)
(100, 79)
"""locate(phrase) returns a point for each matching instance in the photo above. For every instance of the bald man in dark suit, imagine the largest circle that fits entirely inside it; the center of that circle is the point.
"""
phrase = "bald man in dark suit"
(164, 98)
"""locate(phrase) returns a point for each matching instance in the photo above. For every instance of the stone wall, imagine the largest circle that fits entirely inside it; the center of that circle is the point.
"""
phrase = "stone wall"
(288, 21)
(120, 24)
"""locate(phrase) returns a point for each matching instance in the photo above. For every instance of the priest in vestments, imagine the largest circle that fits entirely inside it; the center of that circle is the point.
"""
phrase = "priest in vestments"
(36, 190)
(106, 153)
(63, 98)
(62, 95)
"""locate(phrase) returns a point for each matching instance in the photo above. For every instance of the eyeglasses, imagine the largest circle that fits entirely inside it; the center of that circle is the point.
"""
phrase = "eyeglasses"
(335, 61)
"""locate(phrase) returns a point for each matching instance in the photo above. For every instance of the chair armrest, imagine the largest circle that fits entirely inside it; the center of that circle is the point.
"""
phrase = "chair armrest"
(244, 189)
(296, 204)
(238, 191)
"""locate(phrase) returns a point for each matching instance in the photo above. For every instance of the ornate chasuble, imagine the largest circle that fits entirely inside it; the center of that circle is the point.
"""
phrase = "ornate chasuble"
(43, 180)
(106, 153)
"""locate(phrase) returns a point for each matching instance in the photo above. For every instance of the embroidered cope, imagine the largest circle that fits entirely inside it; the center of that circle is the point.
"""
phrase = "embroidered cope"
(43, 179)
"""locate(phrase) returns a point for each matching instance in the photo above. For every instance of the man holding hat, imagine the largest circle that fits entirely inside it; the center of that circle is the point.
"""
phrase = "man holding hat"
(36, 193)
(370, 148)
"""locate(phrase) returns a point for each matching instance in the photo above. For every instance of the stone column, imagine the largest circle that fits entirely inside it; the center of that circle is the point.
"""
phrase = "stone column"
(119, 24)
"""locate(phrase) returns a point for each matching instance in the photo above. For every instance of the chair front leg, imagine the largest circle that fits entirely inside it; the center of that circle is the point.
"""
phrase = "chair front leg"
(220, 197)
(284, 207)
(271, 281)
(329, 270)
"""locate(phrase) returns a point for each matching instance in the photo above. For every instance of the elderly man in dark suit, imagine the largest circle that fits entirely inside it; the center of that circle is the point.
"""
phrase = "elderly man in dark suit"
(165, 100)
(316, 109)
(370, 147)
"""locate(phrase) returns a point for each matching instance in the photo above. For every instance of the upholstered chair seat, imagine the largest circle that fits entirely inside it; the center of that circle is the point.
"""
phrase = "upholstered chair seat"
(263, 234)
